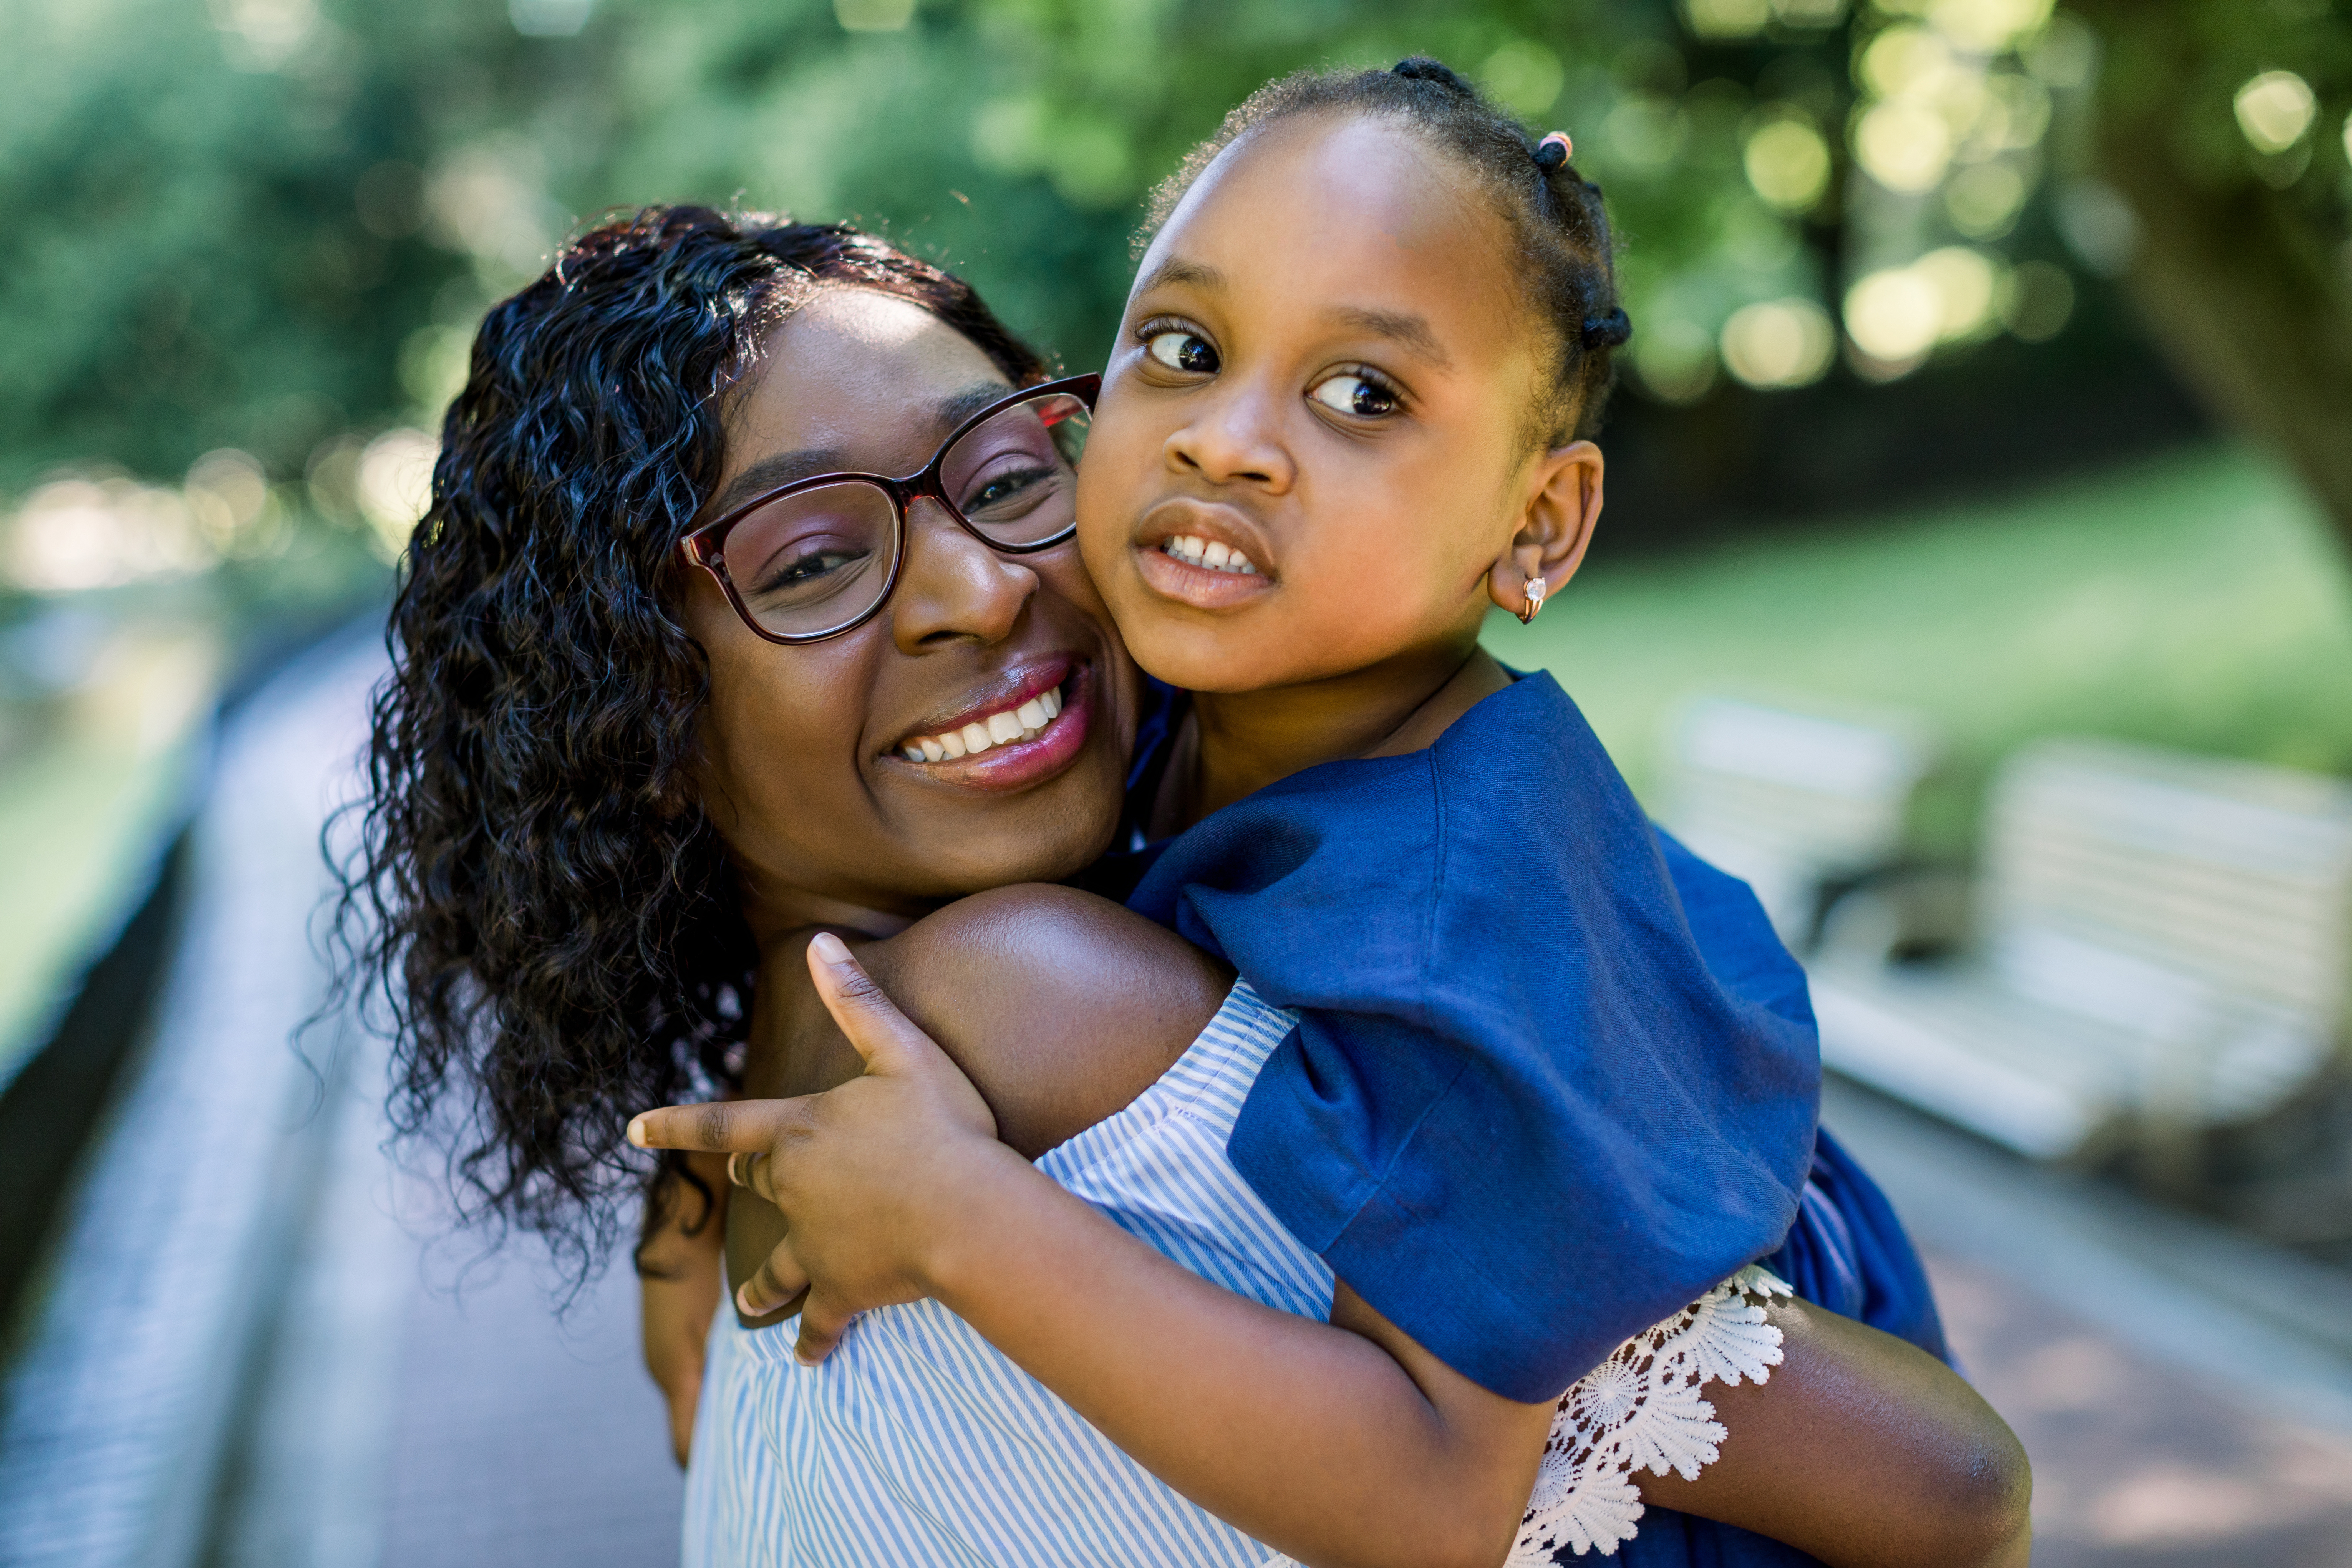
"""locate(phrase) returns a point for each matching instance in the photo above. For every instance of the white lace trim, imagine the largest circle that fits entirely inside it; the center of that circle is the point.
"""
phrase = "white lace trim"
(1640, 1410)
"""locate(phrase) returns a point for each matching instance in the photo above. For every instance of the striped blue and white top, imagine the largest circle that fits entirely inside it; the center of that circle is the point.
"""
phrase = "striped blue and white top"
(917, 1443)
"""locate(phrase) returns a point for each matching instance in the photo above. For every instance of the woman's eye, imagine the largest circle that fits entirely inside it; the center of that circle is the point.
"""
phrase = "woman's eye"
(1354, 395)
(1187, 352)
(802, 570)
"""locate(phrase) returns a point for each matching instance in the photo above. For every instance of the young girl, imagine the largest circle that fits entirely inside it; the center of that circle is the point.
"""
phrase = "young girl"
(1525, 1077)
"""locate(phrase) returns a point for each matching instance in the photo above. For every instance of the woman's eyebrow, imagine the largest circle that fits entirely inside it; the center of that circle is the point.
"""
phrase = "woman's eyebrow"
(779, 469)
(775, 469)
(1407, 331)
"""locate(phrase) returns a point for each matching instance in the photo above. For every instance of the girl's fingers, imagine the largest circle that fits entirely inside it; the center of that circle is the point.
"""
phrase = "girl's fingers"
(776, 1282)
(822, 1325)
(883, 1035)
(720, 1127)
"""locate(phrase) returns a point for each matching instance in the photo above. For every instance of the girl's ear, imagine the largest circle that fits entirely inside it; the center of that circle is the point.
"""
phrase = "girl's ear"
(1555, 528)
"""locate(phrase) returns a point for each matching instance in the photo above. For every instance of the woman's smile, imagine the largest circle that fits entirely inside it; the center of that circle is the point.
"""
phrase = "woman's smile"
(1029, 725)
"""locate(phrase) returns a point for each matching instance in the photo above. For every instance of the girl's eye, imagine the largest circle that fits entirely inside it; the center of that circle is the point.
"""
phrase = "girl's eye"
(1187, 352)
(1348, 393)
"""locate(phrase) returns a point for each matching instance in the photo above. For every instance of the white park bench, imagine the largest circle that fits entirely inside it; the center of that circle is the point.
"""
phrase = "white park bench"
(1792, 803)
(2165, 942)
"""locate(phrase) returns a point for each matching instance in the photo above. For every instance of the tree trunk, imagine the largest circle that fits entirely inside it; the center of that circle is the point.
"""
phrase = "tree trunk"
(2242, 288)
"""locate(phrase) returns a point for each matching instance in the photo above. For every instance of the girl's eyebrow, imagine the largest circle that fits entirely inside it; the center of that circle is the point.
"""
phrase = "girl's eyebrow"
(1183, 269)
(1407, 331)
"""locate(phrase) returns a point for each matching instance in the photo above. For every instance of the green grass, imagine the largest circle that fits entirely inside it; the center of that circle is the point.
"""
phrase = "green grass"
(2197, 602)
(81, 817)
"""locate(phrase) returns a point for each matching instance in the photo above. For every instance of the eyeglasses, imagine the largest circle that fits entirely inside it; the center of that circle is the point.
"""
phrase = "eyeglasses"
(818, 557)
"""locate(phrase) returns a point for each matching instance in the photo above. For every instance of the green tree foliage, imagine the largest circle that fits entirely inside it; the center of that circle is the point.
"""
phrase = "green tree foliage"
(2226, 125)
(260, 223)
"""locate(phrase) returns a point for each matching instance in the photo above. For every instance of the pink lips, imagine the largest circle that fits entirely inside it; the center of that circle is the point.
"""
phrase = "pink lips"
(1202, 587)
(1015, 764)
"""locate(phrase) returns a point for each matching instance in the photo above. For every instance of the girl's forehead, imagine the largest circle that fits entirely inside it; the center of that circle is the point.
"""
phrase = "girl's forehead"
(1354, 202)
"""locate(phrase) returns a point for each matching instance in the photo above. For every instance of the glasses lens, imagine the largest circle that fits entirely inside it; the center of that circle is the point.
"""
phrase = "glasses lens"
(1014, 477)
(814, 560)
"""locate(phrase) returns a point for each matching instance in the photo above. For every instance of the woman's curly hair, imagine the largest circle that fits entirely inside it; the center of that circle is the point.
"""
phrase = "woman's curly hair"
(535, 901)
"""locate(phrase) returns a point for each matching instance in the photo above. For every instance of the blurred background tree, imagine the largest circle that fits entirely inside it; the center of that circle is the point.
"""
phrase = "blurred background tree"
(1868, 245)
(2233, 171)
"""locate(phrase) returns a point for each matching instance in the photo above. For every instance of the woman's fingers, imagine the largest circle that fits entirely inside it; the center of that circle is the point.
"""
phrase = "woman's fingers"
(719, 1127)
(773, 1285)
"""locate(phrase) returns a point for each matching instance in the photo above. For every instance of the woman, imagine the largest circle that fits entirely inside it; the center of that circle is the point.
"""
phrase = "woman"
(609, 813)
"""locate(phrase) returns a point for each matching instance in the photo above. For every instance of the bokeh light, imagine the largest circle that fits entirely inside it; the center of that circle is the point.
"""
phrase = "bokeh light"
(1895, 315)
(1778, 343)
(1904, 145)
(76, 533)
(1675, 360)
(1787, 161)
(1525, 75)
(1727, 19)
(2275, 110)
(1983, 200)
(394, 485)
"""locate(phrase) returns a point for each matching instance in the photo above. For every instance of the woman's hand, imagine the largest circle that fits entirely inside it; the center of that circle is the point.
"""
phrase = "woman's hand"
(870, 1175)
(679, 1286)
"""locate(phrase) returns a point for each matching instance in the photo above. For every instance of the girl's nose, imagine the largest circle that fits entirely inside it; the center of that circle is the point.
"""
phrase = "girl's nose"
(952, 586)
(1234, 437)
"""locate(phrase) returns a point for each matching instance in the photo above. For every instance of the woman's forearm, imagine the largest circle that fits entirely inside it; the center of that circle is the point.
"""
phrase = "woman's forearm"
(1313, 1439)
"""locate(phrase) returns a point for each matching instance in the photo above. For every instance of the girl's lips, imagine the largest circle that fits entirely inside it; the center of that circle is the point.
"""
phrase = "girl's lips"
(1202, 587)
(1016, 764)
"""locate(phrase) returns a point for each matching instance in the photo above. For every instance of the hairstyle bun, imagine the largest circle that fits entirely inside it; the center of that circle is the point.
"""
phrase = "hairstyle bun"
(1421, 67)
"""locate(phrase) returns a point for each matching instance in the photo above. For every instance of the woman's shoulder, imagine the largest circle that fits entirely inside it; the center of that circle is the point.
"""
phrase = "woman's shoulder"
(1060, 1005)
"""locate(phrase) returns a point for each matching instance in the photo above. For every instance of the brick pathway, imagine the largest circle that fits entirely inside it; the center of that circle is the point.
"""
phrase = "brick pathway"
(2137, 1463)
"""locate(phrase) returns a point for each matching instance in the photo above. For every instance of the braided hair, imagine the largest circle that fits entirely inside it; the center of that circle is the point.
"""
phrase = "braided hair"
(1555, 215)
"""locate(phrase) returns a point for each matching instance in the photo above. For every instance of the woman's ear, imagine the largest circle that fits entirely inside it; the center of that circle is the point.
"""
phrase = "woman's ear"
(1555, 527)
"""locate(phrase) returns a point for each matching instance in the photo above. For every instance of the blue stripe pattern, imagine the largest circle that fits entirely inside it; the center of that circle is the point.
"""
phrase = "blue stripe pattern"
(917, 1445)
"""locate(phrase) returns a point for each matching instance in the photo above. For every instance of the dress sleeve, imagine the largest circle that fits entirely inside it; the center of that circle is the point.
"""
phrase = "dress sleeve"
(1640, 1410)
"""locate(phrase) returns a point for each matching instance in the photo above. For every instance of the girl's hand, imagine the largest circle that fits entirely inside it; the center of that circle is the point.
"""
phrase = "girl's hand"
(870, 1175)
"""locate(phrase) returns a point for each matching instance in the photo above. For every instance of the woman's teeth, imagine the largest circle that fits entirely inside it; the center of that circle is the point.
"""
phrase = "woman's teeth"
(1022, 723)
(1215, 556)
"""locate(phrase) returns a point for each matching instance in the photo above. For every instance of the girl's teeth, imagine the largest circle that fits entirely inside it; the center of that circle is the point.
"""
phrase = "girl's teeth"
(1209, 555)
(1022, 723)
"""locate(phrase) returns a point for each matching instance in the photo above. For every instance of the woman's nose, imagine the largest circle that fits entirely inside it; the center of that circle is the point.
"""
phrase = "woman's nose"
(1234, 437)
(952, 585)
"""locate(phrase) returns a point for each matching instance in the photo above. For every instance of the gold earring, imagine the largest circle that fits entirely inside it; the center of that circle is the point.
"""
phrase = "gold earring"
(1534, 591)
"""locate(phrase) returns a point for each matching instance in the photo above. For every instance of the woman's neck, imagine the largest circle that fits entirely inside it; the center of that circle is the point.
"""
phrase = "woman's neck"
(778, 914)
(1236, 743)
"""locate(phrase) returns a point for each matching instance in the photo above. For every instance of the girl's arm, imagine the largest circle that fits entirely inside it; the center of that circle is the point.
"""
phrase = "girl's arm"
(1339, 1446)
(679, 1285)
